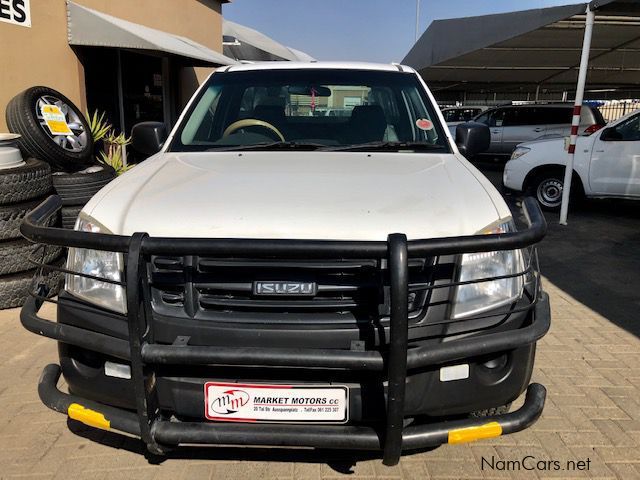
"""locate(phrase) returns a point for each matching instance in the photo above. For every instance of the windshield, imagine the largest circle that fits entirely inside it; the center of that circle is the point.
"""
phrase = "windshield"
(311, 109)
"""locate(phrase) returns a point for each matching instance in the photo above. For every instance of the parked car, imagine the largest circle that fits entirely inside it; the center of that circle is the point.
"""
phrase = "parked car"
(331, 112)
(605, 165)
(511, 125)
(338, 112)
(454, 116)
(303, 281)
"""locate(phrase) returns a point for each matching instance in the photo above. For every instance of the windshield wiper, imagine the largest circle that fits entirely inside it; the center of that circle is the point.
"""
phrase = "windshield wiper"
(385, 146)
(269, 146)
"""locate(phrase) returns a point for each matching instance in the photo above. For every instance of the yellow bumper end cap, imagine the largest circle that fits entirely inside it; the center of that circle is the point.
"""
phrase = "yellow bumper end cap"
(471, 434)
(88, 417)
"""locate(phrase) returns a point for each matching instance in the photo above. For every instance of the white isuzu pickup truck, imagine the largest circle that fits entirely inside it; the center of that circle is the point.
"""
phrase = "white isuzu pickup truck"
(271, 277)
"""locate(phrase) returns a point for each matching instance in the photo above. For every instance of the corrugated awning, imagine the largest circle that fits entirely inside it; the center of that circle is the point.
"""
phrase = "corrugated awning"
(511, 51)
(246, 44)
(301, 56)
(90, 28)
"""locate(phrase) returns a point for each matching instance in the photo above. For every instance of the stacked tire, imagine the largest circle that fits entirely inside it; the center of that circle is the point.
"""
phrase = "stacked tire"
(76, 189)
(54, 136)
(22, 188)
(76, 174)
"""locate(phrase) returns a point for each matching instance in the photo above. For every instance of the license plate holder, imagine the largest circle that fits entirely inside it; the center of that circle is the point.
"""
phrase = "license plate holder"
(266, 403)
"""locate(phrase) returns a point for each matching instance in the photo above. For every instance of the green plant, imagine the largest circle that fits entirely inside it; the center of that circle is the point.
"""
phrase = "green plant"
(114, 159)
(114, 145)
(120, 140)
(98, 125)
(114, 148)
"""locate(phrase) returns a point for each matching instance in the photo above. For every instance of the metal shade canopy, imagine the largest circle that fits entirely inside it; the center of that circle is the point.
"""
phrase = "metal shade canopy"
(301, 56)
(91, 28)
(511, 51)
(246, 44)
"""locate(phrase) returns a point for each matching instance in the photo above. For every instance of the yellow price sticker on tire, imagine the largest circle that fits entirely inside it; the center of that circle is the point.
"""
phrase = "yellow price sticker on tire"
(55, 120)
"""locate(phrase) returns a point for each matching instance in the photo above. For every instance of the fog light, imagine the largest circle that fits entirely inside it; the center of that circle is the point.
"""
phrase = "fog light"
(496, 363)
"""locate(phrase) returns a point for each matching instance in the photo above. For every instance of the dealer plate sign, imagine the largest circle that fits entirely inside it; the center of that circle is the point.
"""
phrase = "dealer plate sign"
(55, 120)
(236, 402)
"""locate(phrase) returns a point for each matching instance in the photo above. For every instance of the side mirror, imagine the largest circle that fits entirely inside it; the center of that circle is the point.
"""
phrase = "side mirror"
(611, 135)
(472, 138)
(148, 137)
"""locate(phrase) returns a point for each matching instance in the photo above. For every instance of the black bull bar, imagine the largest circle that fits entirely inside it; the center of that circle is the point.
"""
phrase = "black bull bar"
(393, 438)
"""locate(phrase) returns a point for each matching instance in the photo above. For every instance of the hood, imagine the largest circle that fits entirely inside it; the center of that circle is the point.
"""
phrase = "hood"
(297, 195)
(548, 141)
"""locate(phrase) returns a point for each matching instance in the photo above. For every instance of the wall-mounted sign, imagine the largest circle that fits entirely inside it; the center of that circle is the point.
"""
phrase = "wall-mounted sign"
(17, 12)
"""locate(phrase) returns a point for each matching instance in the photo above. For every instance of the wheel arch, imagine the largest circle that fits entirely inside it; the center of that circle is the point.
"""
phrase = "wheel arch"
(576, 179)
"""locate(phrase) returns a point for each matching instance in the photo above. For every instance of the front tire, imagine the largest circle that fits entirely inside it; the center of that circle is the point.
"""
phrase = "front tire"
(547, 188)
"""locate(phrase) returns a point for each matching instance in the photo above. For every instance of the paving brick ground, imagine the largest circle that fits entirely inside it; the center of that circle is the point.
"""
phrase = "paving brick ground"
(589, 362)
(589, 365)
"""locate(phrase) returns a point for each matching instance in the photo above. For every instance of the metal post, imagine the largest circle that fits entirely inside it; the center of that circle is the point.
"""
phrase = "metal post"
(121, 106)
(575, 125)
(537, 92)
(417, 19)
(120, 92)
(167, 97)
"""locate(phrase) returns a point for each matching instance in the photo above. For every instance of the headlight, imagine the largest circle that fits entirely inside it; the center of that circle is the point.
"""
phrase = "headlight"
(519, 151)
(99, 264)
(474, 298)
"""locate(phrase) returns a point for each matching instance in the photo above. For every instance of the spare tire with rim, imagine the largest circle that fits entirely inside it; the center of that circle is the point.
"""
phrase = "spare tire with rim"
(31, 180)
(78, 188)
(70, 151)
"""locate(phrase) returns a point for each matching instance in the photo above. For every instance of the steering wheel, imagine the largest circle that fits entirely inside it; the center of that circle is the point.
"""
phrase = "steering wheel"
(251, 122)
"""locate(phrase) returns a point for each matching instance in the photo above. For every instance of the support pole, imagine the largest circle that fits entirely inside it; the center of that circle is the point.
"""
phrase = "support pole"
(575, 125)
(417, 19)
(121, 106)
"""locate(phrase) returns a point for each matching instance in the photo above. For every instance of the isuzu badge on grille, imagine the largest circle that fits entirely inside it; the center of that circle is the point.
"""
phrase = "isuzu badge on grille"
(284, 288)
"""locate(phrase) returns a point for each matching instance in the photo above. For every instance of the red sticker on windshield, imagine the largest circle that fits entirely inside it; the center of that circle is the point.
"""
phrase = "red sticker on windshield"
(424, 124)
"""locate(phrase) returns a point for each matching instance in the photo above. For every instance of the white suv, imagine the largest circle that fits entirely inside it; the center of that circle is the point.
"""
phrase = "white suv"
(271, 278)
(511, 125)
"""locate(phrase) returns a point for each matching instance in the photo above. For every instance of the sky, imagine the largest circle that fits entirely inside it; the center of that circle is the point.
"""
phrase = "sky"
(359, 30)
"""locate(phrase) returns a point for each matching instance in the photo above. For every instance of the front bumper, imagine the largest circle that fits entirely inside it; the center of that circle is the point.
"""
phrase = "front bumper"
(173, 433)
(394, 361)
(514, 174)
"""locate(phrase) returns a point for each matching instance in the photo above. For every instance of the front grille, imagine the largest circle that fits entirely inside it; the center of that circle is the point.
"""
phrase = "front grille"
(222, 289)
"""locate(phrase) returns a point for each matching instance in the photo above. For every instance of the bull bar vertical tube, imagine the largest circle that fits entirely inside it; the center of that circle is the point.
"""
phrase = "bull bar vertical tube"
(135, 322)
(398, 339)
